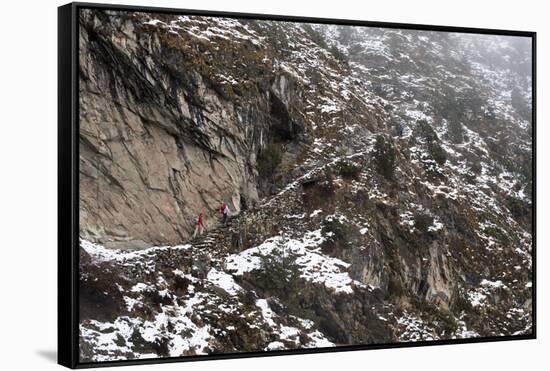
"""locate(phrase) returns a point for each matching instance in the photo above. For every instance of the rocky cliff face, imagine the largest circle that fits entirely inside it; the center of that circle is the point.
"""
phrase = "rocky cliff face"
(379, 183)
(165, 134)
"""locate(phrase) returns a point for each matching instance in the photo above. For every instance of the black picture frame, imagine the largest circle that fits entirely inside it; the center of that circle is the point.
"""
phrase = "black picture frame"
(68, 182)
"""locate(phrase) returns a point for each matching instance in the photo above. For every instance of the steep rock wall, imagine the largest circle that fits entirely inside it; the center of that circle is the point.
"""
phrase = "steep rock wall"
(160, 141)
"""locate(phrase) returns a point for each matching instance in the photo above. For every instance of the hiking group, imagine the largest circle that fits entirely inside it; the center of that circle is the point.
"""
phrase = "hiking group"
(199, 223)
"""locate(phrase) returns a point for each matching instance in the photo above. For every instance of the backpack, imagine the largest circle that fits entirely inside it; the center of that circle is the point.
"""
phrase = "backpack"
(195, 220)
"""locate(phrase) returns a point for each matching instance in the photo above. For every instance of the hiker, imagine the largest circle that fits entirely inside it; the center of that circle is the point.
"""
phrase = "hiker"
(199, 226)
(225, 213)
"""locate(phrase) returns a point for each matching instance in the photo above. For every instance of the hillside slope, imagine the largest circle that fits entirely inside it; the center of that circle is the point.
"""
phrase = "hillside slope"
(379, 183)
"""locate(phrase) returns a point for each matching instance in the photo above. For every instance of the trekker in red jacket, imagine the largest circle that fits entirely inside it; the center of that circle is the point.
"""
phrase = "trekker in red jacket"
(199, 226)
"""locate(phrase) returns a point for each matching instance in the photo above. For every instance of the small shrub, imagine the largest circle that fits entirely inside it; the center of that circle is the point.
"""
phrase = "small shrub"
(338, 235)
(339, 55)
(462, 304)
(497, 233)
(278, 38)
(384, 157)
(518, 208)
(161, 346)
(426, 132)
(348, 169)
(438, 153)
(335, 229)
(279, 273)
(447, 322)
(422, 221)
(268, 159)
(315, 36)
(140, 344)
(455, 132)
(443, 318)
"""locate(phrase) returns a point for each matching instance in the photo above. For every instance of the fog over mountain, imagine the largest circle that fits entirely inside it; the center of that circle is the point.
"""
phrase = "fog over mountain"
(379, 183)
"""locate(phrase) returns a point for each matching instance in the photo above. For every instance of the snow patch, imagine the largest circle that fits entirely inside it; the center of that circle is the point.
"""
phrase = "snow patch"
(224, 281)
(313, 264)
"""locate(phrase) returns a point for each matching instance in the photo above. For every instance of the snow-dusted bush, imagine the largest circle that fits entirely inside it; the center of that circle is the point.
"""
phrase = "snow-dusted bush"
(348, 169)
